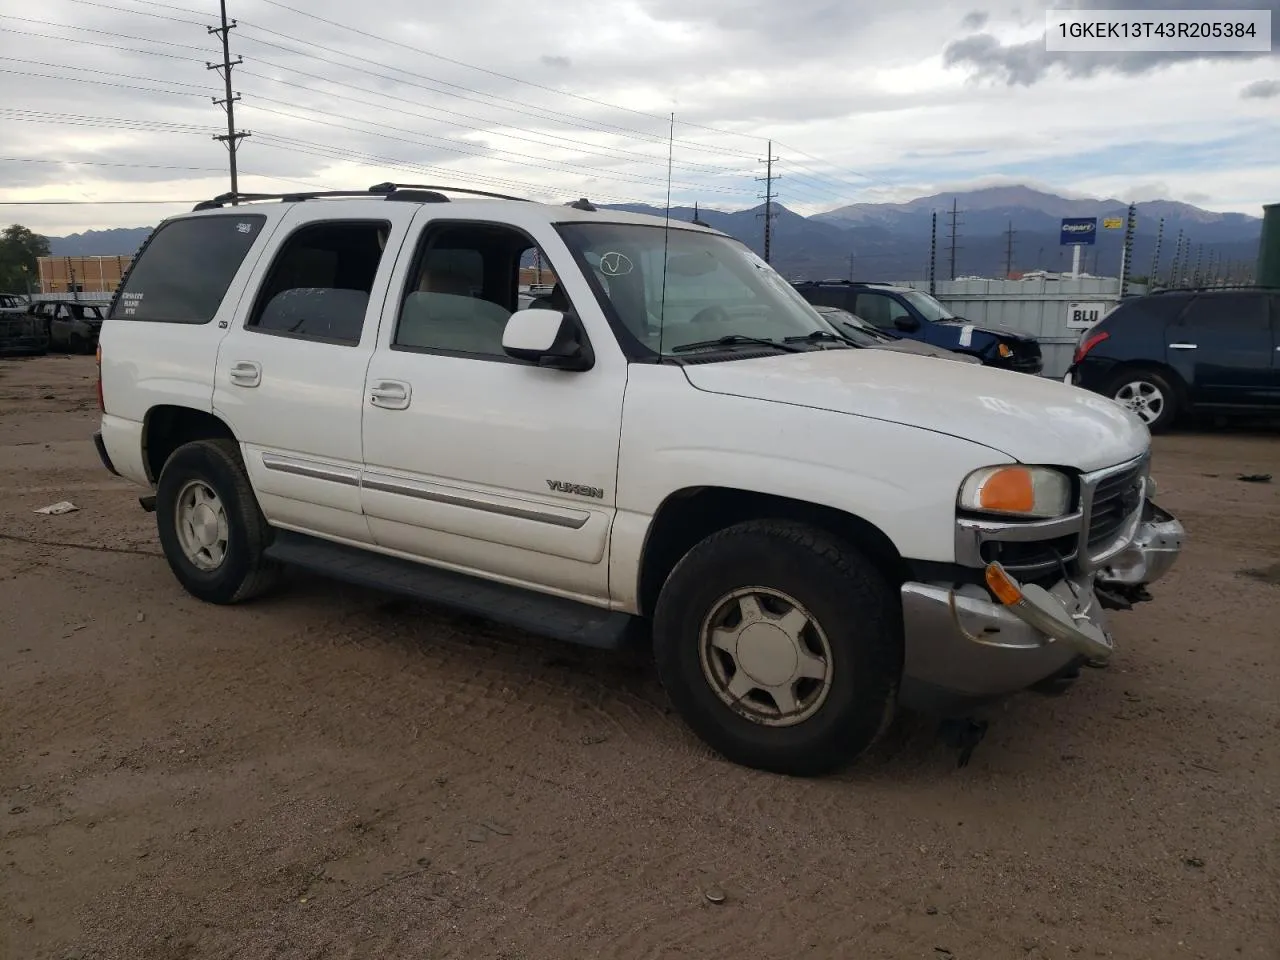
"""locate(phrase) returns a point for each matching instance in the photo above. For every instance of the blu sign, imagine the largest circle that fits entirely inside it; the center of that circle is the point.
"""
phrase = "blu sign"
(1079, 232)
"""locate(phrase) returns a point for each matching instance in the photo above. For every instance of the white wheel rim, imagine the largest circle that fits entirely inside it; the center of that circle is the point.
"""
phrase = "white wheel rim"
(1142, 397)
(766, 657)
(201, 522)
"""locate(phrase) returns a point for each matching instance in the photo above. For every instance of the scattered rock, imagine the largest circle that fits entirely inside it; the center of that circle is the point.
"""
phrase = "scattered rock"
(497, 828)
(591, 739)
(479, 835)
(422, 862)
(141, 617)
(932, 911)
(715, 895)
(1254, 478)
(14, 811)
(1193, 862)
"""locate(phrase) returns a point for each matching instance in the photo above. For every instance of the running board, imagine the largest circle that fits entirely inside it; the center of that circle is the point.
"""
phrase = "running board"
(538, 613)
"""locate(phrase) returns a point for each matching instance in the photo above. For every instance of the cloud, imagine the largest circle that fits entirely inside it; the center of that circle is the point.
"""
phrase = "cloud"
(1026, 62)
(1261, 90)
(857, 97)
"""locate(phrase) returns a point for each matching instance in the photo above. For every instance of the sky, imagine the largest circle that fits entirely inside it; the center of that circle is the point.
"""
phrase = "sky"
(112, 100)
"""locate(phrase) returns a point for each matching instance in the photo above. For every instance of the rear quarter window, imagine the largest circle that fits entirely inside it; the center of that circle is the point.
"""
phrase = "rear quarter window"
(1146, 312)
(184, 270)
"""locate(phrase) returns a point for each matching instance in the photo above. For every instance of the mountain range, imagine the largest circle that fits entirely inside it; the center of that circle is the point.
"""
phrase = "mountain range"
(891, 241)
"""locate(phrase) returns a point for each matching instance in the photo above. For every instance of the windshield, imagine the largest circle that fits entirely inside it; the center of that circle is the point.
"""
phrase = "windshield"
(930, 308)
(852, 326)
(714, 286)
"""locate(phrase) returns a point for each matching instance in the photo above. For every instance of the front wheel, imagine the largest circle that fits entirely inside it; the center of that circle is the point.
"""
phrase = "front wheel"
(211, 528)
(780, 646)
(1146, 393)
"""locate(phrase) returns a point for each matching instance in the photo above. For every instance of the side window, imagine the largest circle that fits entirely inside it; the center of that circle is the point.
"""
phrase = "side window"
(186, 267)
(880, 310)
(1224, 314)
(318, 287)
(827, 296)
(465, 283)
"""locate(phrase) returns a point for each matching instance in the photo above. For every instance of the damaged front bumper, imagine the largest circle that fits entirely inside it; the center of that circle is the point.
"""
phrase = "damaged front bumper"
(963, 646)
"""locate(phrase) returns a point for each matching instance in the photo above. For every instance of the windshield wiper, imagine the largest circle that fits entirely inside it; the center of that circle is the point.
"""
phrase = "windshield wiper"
(820, 336)
(732, 339)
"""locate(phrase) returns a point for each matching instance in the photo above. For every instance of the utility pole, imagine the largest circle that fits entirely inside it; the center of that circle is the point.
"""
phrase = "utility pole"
(1176, 268)
(1155, 257)
(1195, 276)
(232, 137)
(933, 256)
(768, 198)
(1008, 252)
(955, 224)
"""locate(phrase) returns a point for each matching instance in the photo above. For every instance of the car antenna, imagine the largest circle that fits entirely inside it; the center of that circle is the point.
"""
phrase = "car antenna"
(666, 234)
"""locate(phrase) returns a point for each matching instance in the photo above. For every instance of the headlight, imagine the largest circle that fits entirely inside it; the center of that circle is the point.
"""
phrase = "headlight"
(1017, 491)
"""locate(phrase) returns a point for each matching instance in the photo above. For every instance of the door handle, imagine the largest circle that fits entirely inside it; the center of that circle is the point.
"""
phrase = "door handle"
(1182, 346)
(246, 373)
(390, 394)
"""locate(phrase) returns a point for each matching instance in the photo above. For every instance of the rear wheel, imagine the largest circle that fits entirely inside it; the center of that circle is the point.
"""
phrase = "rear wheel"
(780, 646)
(1148, 394)
(211, 529)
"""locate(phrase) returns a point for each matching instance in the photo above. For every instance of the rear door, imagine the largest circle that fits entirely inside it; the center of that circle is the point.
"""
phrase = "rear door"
(1223, 347)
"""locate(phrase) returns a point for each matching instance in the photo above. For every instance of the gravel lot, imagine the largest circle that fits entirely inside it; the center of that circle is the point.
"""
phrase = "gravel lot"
(333, 773)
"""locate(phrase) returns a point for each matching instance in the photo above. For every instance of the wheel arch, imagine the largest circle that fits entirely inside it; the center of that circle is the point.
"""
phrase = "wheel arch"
(691, 514)
(1182, 390)
(168, 426)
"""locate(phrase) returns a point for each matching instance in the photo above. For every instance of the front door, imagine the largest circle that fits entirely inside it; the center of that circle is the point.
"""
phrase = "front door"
(290, 374)
(476, 461)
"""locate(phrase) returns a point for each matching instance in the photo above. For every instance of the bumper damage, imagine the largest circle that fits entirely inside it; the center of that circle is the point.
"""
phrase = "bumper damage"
(964, 647)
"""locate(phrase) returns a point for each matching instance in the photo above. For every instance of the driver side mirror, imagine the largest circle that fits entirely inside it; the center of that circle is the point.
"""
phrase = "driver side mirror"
(548, 338)
(907, 324)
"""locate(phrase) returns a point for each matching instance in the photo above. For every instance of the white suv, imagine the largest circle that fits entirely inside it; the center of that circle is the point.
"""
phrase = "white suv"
(672, 440)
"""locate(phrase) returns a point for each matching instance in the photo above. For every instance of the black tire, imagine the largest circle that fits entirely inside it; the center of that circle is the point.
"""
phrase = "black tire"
(854, 605)
(243, 572)
(1171, 401)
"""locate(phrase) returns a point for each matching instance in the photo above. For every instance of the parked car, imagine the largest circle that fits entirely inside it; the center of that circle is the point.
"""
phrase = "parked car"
(11, 303)
(1175, 352)
(864, 334)
(70, 324)
(670, 448)
(22, 335)
(916, 315)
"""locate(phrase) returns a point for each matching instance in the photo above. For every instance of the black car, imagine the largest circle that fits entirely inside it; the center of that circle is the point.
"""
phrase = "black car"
(1182, 351)
(854, 328)
(917, 316)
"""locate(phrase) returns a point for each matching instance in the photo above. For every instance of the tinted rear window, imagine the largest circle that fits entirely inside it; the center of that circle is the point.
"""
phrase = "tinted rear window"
(1157, 309)
(186, 267)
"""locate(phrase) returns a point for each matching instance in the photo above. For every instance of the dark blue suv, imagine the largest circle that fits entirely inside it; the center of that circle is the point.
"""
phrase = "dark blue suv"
(915, 315)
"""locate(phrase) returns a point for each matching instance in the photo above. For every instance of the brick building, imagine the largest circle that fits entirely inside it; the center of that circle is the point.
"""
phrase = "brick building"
(100, 275)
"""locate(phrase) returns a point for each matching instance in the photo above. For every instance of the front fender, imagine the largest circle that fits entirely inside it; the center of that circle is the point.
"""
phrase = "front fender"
(901, 479)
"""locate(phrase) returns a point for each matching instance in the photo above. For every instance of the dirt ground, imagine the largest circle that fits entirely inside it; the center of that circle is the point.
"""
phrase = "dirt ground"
(332, 773)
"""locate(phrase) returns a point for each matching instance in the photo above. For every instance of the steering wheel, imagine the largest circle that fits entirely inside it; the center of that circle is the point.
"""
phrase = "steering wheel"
(712, 314)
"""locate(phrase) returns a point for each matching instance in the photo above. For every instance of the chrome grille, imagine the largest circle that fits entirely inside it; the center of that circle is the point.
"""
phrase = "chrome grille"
(1114, 501)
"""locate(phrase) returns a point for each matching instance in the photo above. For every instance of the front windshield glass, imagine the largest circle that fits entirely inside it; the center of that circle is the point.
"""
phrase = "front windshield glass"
(928, 306)
(714, 286)
(852, 326)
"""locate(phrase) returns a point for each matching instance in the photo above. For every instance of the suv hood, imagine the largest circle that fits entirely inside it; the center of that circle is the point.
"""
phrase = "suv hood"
(1031, 419)
(1004, 333)
(924, 350)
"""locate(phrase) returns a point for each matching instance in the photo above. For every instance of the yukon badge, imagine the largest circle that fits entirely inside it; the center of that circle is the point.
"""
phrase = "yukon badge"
(563, 486)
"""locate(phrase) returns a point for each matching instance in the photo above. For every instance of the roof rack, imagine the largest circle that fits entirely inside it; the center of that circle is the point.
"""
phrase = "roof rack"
(408, 192)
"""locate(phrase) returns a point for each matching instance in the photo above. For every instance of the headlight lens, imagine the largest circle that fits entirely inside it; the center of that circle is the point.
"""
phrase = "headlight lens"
(1017, 491)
